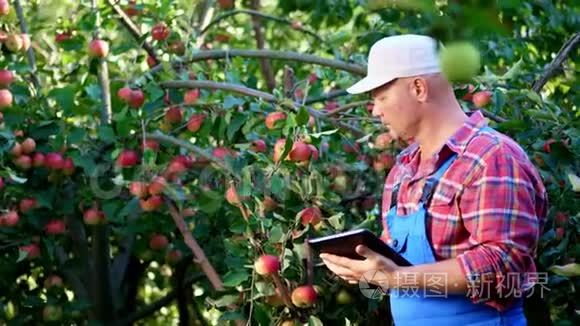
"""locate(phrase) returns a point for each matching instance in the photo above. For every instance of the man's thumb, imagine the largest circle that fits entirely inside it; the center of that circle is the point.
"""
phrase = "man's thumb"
(365, 251)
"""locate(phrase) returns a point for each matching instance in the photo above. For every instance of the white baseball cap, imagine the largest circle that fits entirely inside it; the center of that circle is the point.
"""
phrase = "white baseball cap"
(398, 56)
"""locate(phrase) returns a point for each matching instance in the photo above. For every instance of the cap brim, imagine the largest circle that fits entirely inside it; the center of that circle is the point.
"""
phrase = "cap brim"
(367, 84)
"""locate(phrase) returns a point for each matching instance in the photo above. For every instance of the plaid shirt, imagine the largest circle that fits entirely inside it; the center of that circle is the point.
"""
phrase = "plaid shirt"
(487, 211)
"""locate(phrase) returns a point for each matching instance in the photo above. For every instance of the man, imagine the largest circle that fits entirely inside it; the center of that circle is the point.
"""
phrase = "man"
(463, 202)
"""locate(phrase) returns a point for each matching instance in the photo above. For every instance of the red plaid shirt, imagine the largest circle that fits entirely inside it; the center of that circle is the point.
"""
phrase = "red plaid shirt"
(487, 211)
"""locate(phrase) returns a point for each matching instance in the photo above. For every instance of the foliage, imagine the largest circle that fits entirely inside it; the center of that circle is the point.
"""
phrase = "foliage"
(64, 114)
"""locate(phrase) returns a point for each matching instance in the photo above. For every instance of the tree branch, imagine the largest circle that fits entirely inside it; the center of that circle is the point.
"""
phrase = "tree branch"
(100, 243)
(198, 151)
(120, 263)
(30, 51)
(128, 23)
(279, 55)
(252, 92)
(345, 108)
(199, 255)
(77, 285)
(260, 43)
(554, 66)
(258, 14)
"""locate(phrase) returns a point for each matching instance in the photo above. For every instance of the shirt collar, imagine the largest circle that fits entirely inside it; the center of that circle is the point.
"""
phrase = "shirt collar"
(457, 142)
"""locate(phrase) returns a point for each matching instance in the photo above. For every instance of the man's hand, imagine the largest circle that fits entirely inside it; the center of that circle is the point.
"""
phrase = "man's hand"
(352, 270)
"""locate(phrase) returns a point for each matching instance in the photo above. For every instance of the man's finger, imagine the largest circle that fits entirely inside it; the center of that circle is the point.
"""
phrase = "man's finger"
(337, 260)
(338, 270)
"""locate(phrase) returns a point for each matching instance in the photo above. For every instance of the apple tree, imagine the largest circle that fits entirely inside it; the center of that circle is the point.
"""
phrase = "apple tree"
(164, 162)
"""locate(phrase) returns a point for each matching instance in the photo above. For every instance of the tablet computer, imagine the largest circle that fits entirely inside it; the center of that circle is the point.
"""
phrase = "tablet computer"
(344, 244)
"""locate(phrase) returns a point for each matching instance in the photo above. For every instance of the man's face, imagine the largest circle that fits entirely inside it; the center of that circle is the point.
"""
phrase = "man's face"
(394, 105)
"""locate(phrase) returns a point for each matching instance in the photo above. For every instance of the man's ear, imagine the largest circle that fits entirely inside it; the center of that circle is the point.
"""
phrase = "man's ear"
(420, 89)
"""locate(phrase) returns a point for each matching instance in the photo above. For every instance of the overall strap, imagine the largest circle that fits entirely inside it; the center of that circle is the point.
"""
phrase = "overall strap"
(434, 179)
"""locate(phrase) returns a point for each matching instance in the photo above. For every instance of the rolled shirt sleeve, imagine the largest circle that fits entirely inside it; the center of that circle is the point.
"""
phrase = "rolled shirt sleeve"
(502, 208)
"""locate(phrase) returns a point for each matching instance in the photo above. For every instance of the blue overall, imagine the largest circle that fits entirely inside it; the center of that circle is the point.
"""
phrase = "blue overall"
(436, 308)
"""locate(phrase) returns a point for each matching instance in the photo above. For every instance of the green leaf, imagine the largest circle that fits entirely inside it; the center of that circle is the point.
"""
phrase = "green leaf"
(94, 92)
(231, 101)
(107, 134)
(534, 97)
(323, 133)
(569, 270)
(287, 148)
(110, 209)
(235, 278)
(154, 92)
(6, 141)
(337, 221)
(513, 71)
(210, 201)
(131, 206)
(16, 178)
(21, 255)
(277, 185)
(276, 234)
(231, 315)
(84, 161)
(64, 97)
(302, 117)
(236, 124)
(226, 300)
(43, 131)
(575, 181)
(314, 321)
(77, 135)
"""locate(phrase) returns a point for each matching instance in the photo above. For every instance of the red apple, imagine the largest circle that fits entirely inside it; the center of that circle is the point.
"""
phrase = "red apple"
(547, 145)
(383, 162)
(350, 147)
(279, 149)
(54, 161)
(127, 158)
(136, 99)
(560, 233)
(138, 189)
(173, 256)
(383, 141)
(16, 149)
(300, 152)
(158, 242)
(481, 99)
(226, 4)
(173, 115)
(469, 95)
(331, 105)
(62, 37)
(10, 219)
(55, 227)
(131, 9)
(232, 196)
(150, 144)
(296, 24)
(24, 162)
(27, 204)
(98, 48)
(38, 160)
(273, 117)
(52, 313)
(25, 42)
(312, 78)
(267, 265)
(310, 215)
(4, 7)
(176, 47)
(258, 146)
(28, 146)
(195, 122)
(124, 93)
(174, 168)
(151, 62)
(314, 152)
(222, 152)
(14, 42)
(6, 77)
(304, 296)
(150, 204)
(157, 185)
(33, 250)
(53, 281)
(190, 97)
(93, 216)
(561, 218)
(299, 93)
(5, 98)
(68, 166)
(160, 32)
(1, 183)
